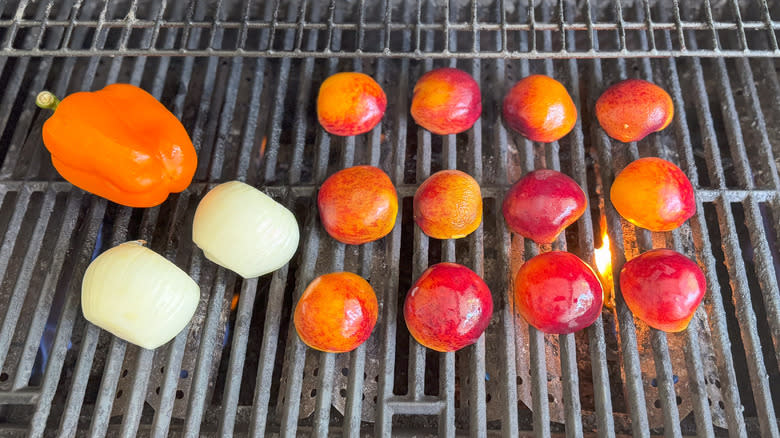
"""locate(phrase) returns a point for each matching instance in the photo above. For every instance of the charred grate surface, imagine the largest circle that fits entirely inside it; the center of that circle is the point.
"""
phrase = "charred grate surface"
(240, 368)
(376, 31)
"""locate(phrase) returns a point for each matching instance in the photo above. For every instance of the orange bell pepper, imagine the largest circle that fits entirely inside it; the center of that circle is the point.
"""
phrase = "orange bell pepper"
(119, 143)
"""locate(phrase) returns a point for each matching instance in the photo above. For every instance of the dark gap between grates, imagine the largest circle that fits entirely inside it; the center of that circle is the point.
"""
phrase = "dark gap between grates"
(737, 349)
(756, 294)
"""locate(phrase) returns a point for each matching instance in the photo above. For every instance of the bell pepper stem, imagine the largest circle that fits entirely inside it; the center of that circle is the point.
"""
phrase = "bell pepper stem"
(47, 100)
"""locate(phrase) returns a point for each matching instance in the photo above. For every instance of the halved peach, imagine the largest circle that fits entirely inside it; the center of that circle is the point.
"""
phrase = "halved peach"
(630, 110)
(540, 108)
(446, 101)
(358, 205)
(448, 205)
(653, 193)
(350, 103)
(336, 313)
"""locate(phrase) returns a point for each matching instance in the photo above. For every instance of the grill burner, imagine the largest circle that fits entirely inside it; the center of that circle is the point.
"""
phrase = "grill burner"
(240, 368)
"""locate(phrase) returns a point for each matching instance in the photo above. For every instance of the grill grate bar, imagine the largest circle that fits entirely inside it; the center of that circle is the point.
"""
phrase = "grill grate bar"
(71, 23)
(770, 34)
(621, 30)
(12, 91)
(301, 24)
(44, 22)
(295, 352)
(137, 397)
(650, 33)
(328, 360)
(659, 342)
(330, 26)
(29, 351)
(352, 414)
(747, 321)
(596, 338)
(14, 305)
(678, 26)
(509, 417)
(268, 353)
(208, 344)
(628, 342)
(128, 27)
(215, 39)
(369, 54)
(274, 24)
(464, 26)
(729, 390)
(693, 355)
(84, 364)
(663, 367)
(384, 417)
(295, 366)
(489, 190)
(478, 414)
(44, 303)
(20, 289)
(14, 24)
(361, 30)
(300, 109)
(421, 242)
(152, 44)
(249, 286)
(539, 394)
(164, 412)
(740, 27)
(105, 400)
(568, 351)
(734, 259)
(355, 384)
(325, 389)
(276, 120)
(99, 39)
(143, 361)
(711, 25)
(65, 323)
(736, 264)
(745, 315)
(108, 387)
(745, 74)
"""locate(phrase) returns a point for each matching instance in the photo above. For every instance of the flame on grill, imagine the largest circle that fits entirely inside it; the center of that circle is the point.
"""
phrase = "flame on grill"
(603, 256)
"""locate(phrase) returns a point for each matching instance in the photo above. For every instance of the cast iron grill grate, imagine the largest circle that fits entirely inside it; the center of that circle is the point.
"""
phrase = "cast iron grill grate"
(379, 30)
(240, 367)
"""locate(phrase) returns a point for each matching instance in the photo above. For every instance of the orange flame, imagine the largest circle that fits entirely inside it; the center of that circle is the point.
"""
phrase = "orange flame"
(603, 256)
(263, 144)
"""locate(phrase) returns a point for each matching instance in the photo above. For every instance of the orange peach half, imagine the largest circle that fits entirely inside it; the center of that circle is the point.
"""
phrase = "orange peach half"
(630, 110)
(446, 101)
(448, 205)
(350, 104)
(358, 205)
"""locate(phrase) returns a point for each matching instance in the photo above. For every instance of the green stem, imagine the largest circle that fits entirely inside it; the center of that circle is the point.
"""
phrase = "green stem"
(47, 100)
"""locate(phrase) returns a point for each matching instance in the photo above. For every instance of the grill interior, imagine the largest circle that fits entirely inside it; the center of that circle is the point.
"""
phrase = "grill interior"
(243, 76)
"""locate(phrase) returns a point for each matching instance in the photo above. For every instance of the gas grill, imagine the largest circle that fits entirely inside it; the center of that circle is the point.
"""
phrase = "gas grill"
(243, 76)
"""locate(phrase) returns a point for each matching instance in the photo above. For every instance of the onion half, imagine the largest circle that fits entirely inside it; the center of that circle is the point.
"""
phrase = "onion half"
(243, 229)
(138, 295)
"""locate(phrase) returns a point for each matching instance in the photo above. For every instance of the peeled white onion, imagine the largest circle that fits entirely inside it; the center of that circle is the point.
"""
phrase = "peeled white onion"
(138, 295)
(244, 230)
